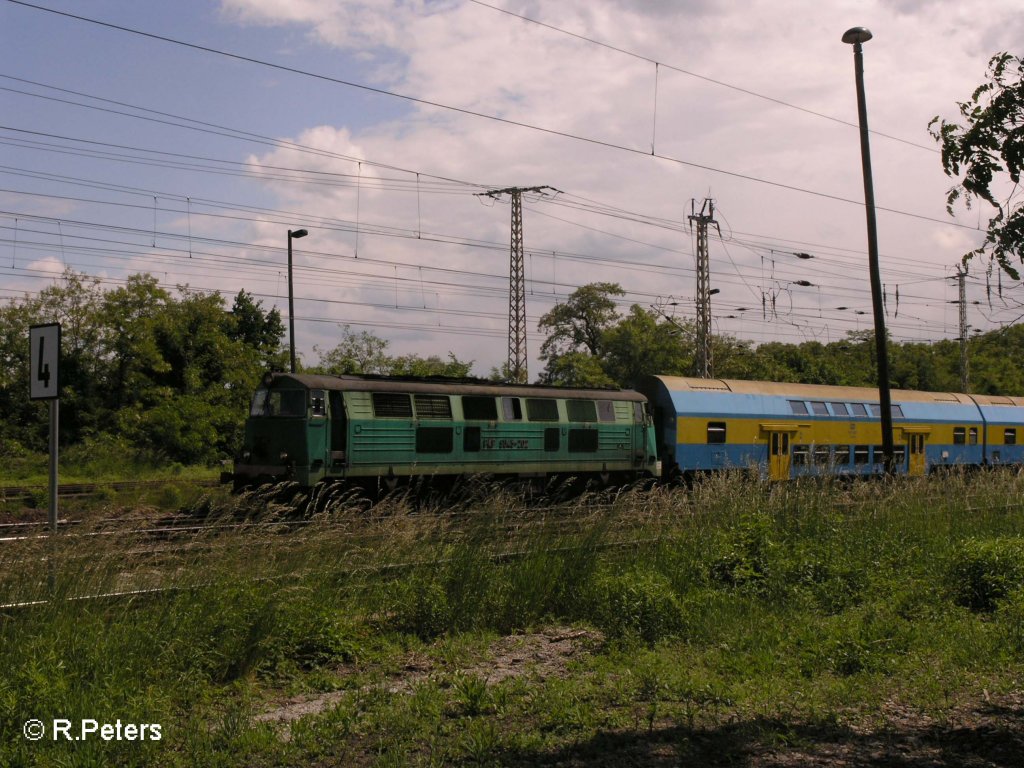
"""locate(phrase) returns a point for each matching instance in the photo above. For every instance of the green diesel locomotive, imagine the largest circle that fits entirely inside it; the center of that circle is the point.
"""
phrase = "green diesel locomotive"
(377, 431)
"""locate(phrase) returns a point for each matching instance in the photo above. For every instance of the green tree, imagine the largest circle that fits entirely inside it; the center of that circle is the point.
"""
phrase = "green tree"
(576, 328)
(359, 353)
(642, 343)
(129, 317)
(366, 353)
(986, 151)
(259, 329)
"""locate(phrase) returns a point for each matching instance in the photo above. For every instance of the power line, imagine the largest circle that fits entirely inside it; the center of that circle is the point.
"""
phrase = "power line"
(661, 64)
(470, 112)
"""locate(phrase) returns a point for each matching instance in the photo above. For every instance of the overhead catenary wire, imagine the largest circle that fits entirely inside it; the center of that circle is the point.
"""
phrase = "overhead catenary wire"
(470, 112)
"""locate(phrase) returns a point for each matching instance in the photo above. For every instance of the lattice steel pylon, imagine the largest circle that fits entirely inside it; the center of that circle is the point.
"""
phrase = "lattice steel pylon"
(702, 359)
(965, 381)
(517, 349)
(517, 352)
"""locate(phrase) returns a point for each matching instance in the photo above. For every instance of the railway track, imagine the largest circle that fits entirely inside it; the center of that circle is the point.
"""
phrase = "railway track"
(72, 490)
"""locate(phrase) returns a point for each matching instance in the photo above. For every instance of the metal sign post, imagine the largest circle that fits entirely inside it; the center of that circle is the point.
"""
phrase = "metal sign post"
(44, 384)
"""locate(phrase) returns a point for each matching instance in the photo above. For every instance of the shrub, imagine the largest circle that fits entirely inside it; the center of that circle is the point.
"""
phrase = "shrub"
(639, 603)
(983, 572)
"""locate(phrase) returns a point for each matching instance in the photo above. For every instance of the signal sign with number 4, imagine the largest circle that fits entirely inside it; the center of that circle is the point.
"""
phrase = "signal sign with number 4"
(44, 359)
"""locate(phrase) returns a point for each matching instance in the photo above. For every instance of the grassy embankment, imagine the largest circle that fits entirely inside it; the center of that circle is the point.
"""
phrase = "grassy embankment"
(731, 616)
(91, 462)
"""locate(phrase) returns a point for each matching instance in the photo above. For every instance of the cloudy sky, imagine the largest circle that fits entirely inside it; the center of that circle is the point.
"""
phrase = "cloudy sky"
(185, 139)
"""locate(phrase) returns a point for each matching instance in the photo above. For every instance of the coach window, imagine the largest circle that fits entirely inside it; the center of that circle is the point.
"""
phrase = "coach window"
(862, 454)
(798, 407)
(716, 432)
(842, 455)
(972, 436)
(801, 455)
(581, 410)
(959, 435)
(899, 455)
(541, 410)
(479, 408)
(818, 408)
(821, 455)
(512, 408)
(859, 409)
(605, 410)
(1010, 436)
(317, 403)
(839, 409)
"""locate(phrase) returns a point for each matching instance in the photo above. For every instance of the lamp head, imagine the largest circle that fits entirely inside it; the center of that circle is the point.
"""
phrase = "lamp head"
(297, 233)
(857, 35)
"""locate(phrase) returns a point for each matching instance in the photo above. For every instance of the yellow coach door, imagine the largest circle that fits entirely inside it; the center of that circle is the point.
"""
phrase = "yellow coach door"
(915, 449)
(778, 458)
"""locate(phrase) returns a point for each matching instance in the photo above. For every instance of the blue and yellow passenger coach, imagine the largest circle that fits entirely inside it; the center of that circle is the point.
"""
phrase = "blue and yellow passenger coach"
(789, 430)
(377, 430)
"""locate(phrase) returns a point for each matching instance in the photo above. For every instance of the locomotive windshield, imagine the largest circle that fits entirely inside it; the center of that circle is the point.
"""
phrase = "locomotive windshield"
(278, 402)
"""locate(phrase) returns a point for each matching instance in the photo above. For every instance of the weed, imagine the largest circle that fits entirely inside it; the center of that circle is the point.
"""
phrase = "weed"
(983, 572)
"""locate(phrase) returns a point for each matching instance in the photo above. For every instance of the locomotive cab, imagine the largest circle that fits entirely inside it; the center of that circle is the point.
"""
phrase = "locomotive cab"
(286, 434)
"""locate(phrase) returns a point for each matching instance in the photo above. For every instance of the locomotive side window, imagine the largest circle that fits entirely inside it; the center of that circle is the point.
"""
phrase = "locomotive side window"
(552, 440)
(433, 407)
(581, 410)
(798, 407)
(512, 408)
(959, 435)
(434, 440)
(392, 405)
(583, 440)
(605, 410)
(1010, 436)
(479, 408)
(716, 432)
(471, 439)
(541, 410)
(337, 421)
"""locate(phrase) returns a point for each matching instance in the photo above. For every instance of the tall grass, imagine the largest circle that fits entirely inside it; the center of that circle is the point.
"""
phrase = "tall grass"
(808, 597)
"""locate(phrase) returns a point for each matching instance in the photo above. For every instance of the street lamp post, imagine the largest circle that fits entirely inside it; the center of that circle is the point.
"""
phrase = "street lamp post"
(292, 235)
(855, 37)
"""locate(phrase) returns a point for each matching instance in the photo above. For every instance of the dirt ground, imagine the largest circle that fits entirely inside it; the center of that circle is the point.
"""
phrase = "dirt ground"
(980, 734)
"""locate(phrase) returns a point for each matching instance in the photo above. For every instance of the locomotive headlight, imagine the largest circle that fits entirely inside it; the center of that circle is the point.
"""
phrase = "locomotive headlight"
(246, 455)
(284, 455)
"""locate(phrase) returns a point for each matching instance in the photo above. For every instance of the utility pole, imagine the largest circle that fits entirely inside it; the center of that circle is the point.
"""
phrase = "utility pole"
(702, 360)
(517, 352)
(964, 382)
